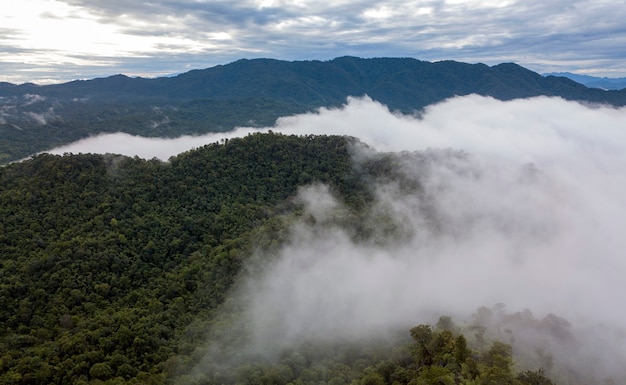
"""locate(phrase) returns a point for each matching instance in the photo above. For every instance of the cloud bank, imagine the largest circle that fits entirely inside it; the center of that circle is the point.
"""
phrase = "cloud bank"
(520, 203)
(540, 130)
(146, 148)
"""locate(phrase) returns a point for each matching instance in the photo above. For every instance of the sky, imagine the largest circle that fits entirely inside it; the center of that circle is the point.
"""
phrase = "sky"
(51, 41)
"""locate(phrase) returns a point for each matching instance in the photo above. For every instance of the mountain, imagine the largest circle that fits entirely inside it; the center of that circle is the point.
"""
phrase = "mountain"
(252, 93)
(395, 82)
(604, 83)
(114, 233)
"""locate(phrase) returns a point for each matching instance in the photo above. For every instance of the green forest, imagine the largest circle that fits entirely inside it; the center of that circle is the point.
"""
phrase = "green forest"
(119, 270)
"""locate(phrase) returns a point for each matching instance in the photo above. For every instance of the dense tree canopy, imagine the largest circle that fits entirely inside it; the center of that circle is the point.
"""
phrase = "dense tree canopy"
(106, 259)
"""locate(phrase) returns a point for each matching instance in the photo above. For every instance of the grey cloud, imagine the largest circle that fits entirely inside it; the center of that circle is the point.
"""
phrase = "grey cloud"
(7, 34)
(532, 19)
(222, 12)
(50, 15)
(116, 7)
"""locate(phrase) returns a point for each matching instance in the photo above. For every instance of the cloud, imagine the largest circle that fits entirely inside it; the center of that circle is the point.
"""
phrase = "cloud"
(32, 99)
(147, 148)
(479, 125)
(520, 202)
(545, 36)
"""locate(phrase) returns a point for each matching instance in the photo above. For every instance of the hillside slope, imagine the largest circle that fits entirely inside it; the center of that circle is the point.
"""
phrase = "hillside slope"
(106, 260)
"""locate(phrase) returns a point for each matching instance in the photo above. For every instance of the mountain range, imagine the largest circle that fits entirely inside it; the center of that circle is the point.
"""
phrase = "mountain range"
(593, 81)
(253, 93)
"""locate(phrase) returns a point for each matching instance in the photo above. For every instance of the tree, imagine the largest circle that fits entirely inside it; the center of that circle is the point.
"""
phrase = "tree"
(534, 378)
(422, 336)
(101, 371)
(434, 375)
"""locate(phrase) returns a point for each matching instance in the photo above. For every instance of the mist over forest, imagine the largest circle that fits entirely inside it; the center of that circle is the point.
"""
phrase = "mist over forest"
(269, 254)
(514, 205)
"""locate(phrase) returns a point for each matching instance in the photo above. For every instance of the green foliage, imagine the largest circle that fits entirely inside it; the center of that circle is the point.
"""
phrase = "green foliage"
(534, 378)
(107, 260)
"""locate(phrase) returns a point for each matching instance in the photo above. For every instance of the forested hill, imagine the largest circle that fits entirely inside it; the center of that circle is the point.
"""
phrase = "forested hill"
(252, 93)
(105, 261)
(113, 270)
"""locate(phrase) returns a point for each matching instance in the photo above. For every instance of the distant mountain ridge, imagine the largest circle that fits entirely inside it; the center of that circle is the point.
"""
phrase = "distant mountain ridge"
(393, 81)
(604, 83)
(253, 93)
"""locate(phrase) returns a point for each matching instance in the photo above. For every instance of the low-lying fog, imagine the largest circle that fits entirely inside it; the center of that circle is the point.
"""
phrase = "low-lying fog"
(530, 214)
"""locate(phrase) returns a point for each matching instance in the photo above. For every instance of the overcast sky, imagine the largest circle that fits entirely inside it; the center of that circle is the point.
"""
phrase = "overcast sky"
(51, 41)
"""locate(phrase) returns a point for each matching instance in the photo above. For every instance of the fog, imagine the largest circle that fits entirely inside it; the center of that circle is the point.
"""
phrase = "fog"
(143, 147)
(521, 203)
(530, 214)
(525, 130)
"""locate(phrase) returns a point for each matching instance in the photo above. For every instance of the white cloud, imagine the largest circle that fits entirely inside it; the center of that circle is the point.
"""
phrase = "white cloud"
(529, 214)
(42, 118)
(544, 131)
(146, 148)
(522, 203)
